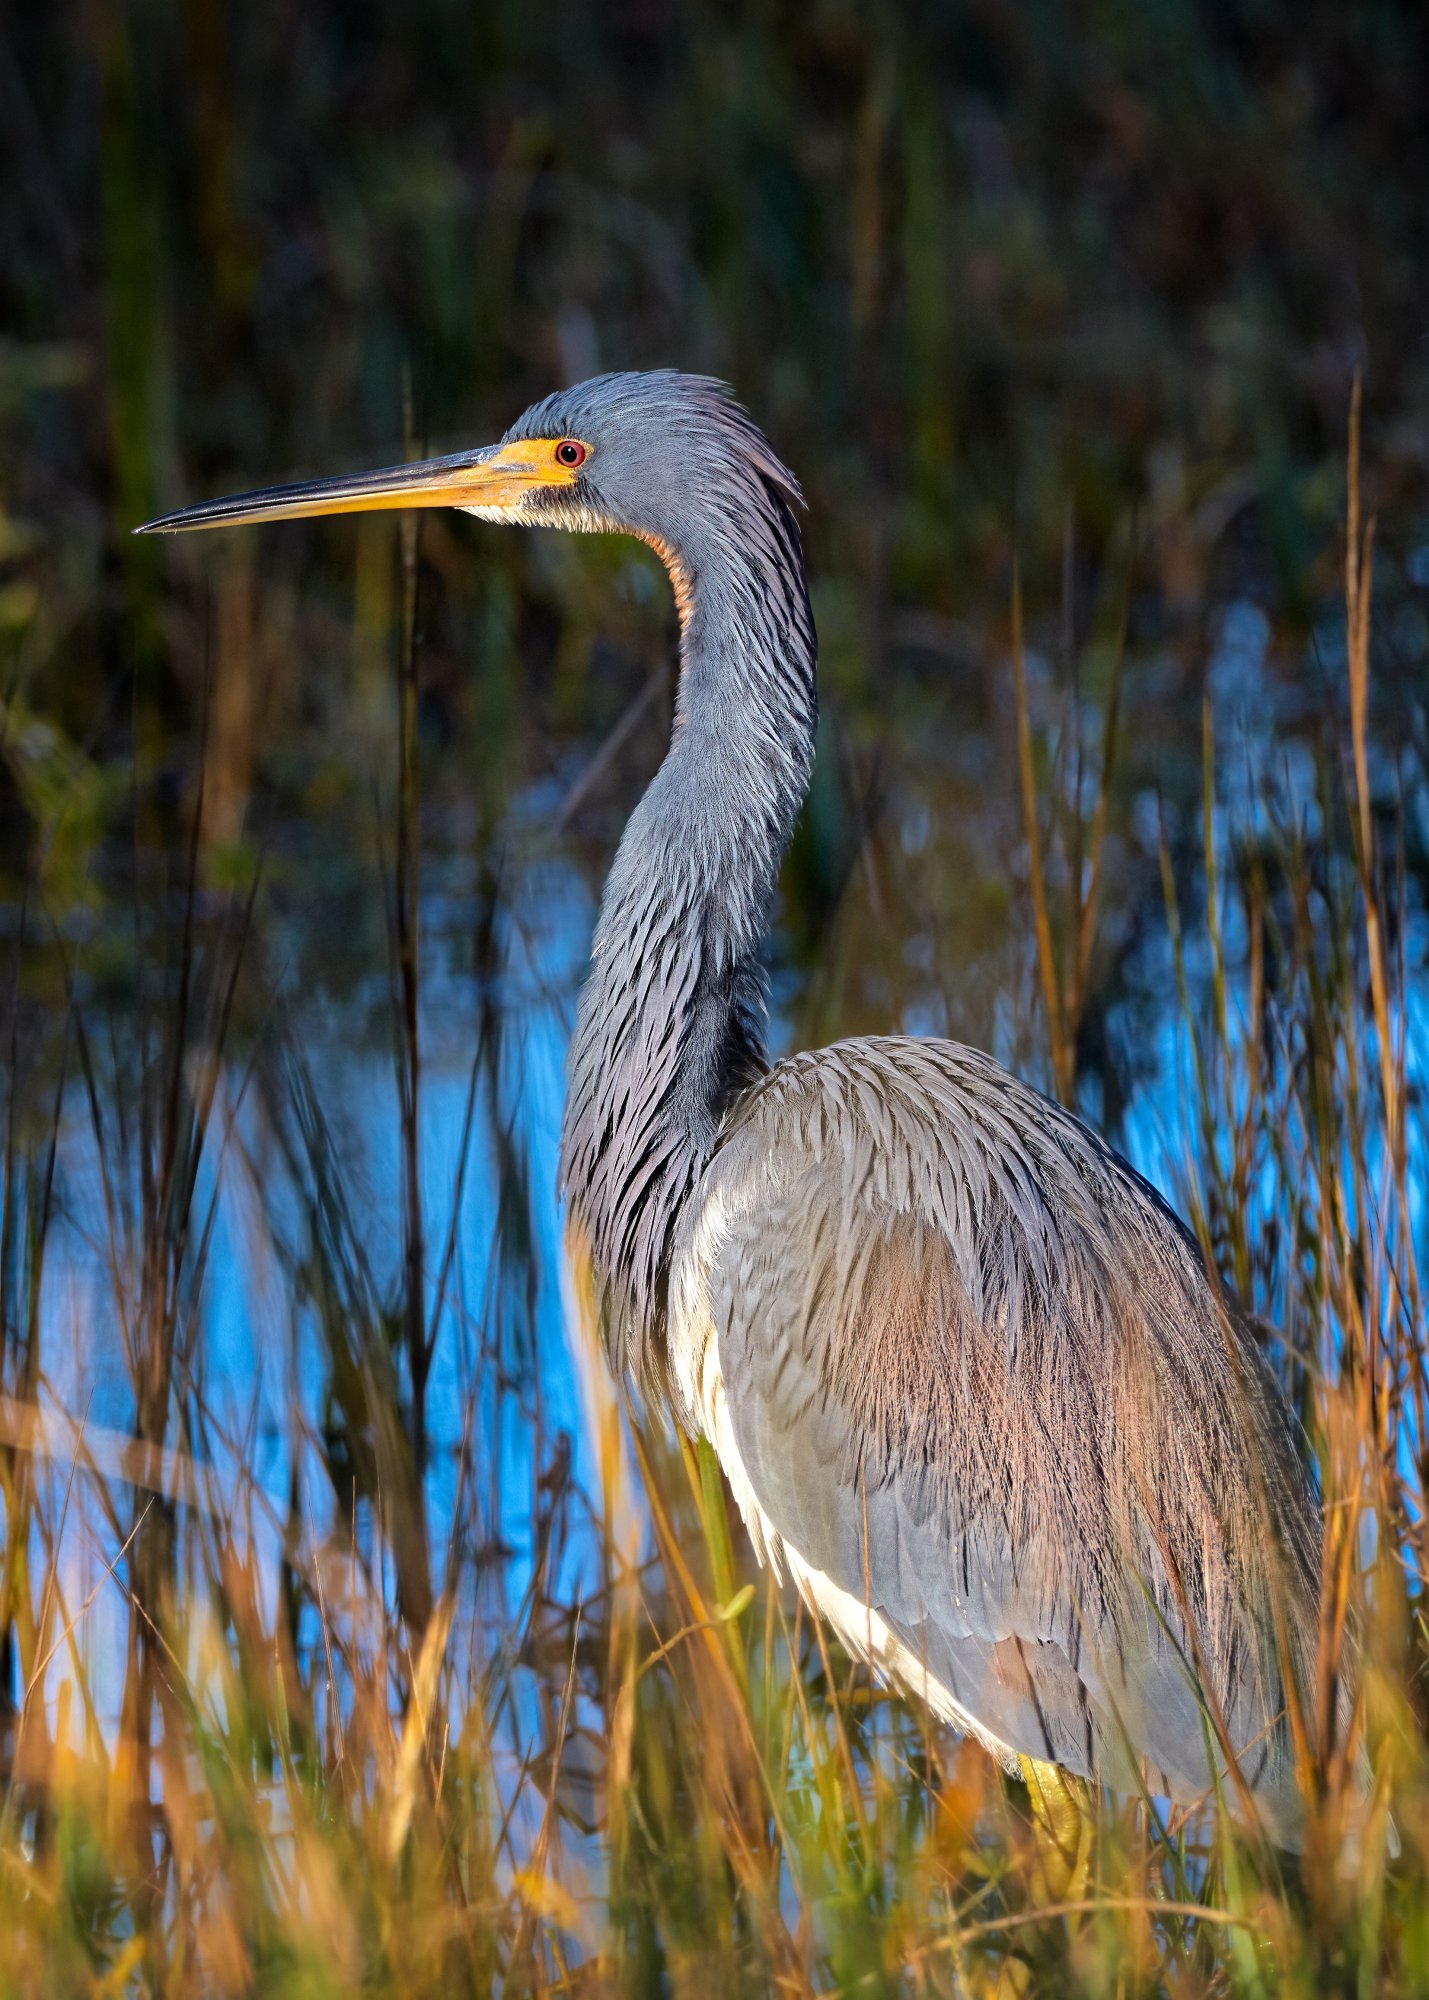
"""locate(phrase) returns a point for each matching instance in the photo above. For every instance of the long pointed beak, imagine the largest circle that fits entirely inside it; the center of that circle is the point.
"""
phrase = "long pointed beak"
(495, 477)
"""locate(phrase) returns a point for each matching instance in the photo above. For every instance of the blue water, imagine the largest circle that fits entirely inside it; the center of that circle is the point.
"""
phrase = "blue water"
(505, 1382)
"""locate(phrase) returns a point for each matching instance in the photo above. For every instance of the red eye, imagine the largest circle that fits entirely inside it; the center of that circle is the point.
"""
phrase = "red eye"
(570, 451)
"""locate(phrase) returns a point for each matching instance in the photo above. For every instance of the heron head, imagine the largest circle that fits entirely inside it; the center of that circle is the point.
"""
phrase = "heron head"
(670, 457)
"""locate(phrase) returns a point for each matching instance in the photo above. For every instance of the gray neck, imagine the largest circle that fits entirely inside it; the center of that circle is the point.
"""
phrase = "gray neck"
(671, 1025)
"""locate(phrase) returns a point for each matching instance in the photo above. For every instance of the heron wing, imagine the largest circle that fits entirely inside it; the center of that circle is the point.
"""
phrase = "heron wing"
(974, 1378)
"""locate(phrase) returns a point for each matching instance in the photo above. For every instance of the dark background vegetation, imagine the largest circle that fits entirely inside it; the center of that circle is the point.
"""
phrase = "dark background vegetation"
(300, 832)
(1086, 281)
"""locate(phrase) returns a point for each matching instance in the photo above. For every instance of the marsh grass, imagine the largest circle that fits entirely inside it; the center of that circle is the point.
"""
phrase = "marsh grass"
(299, 1739)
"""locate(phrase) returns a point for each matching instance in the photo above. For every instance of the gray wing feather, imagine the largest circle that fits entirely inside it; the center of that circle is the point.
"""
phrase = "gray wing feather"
(976, 1374)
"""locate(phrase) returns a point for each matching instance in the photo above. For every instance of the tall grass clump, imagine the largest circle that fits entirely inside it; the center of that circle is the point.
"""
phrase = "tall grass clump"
(360, 1667)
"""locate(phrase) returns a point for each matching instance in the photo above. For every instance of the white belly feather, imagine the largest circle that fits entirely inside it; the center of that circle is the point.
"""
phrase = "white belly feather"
(699, 1382)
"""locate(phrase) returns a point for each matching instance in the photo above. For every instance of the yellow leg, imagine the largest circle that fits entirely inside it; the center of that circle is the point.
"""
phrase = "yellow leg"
(1064, 1828)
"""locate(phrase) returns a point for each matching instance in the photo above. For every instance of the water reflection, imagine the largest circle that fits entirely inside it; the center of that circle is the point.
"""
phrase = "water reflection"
(303, 1169)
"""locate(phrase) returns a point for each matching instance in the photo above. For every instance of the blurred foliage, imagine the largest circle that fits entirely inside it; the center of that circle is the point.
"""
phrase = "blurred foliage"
(365, 1645)
(1090, 281)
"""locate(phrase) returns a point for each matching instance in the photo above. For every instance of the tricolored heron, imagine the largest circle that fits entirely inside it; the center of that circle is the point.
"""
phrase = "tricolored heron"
(968, 1376)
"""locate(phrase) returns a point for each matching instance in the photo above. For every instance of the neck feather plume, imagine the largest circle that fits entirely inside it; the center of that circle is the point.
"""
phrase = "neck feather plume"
(671, 1027)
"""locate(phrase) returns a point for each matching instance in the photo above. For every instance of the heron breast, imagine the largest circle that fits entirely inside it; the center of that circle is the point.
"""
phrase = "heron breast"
(698, 1380)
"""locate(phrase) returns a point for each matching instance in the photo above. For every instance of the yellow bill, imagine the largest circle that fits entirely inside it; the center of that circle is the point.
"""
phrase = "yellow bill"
(497, 477)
